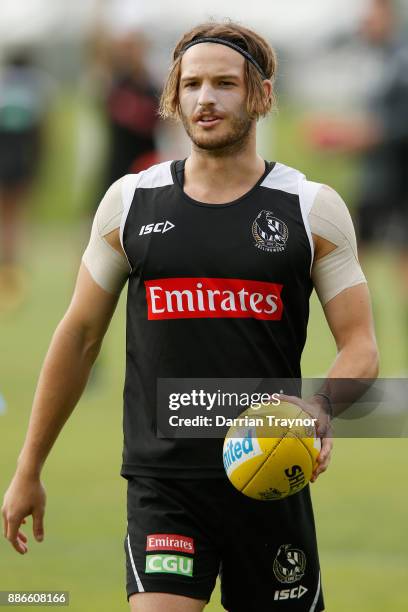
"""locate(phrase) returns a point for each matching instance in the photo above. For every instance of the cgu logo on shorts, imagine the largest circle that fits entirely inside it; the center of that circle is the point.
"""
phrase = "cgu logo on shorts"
(170, 541)
(239, 450)
(169, 564)
(187, 298)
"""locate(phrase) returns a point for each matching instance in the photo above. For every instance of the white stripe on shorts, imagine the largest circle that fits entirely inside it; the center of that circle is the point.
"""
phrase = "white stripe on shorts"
(137, 577)
(316, 596)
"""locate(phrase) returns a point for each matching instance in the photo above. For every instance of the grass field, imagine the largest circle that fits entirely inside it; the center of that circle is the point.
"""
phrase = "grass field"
(360, 504)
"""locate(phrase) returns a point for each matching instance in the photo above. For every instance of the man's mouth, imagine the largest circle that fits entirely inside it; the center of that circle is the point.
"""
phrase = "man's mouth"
(208, 121)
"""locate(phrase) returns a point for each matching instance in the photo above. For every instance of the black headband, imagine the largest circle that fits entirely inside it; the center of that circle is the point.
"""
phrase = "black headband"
(227, 43)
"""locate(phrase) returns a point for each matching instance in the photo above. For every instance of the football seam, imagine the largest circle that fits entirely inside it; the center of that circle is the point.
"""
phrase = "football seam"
(264, 461)
(308, 451)
(270, 453)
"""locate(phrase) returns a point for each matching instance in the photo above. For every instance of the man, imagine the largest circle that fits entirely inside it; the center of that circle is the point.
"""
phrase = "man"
(192, 227)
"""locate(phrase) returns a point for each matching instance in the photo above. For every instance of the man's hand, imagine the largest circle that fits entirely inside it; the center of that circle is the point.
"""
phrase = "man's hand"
(25, 496)
(317, 408)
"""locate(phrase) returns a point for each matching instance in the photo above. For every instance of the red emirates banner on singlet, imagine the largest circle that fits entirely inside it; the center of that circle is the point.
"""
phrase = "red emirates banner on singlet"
(192, 298)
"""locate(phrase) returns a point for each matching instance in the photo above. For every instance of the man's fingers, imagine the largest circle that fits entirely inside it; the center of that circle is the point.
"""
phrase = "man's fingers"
(20, 546)
(327, 444)
(14, 535)
(22, 536)
(38, 525)
(21, 543)
(323, 459)
(324, 455)
(12, 528)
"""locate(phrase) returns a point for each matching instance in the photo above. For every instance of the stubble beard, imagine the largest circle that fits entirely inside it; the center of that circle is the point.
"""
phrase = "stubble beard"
(227, 143)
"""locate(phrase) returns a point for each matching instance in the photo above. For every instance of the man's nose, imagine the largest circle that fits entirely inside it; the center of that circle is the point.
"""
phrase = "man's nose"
(206, 95)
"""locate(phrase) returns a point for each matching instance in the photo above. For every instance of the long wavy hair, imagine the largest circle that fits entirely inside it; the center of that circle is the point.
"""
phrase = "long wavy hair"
(258, 104)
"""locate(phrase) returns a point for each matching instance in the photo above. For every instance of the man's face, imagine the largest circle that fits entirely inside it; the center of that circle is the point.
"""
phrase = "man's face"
(212, 94)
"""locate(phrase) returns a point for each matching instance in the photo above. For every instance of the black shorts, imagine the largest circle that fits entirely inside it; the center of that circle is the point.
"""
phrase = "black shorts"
(183, 533)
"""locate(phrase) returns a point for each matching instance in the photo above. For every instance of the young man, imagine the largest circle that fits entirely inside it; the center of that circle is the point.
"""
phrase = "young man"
(222, 222)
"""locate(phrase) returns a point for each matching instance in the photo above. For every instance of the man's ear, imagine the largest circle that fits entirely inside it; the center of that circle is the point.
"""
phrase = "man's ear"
(268, 88)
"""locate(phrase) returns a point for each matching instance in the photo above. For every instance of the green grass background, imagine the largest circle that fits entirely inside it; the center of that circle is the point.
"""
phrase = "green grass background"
(360, 503)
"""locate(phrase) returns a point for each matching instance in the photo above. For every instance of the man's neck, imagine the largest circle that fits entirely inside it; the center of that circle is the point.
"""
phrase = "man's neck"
(221, 178)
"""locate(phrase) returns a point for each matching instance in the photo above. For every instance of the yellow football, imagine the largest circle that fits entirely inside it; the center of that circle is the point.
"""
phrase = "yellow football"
(271, 452)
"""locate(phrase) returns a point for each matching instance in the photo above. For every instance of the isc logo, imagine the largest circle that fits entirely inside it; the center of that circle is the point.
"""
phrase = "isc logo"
(295, 593)
(158, 228)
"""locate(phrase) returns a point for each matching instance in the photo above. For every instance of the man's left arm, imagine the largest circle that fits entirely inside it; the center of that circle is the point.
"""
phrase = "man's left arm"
(343, 292)
(349, 316)
(342, 288)
(350, 320)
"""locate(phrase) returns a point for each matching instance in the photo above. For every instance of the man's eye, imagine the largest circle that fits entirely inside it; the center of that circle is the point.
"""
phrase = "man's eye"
(191, 84)
(226, 83)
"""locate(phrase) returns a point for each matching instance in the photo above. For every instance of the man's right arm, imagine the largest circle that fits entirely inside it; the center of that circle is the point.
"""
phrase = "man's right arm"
(72, 352)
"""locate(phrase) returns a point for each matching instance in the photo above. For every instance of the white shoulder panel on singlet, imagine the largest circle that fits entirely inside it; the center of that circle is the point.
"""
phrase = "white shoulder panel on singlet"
(292, 181)
(156, 176)
(330, 219)
(108, 267)
(283, 178)
(324, 214)
(129, 184)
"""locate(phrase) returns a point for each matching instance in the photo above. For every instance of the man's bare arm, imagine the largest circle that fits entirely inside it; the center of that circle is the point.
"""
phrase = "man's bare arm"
(73, 349)
(72, 352)
(350, 320)
(347, 309)
(342, 288)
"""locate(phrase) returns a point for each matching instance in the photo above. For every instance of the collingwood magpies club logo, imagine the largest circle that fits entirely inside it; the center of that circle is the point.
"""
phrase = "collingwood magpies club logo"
(270, 233)
(289, 564)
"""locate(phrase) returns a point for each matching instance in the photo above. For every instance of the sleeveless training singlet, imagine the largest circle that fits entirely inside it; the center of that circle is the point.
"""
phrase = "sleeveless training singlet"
(215, 290)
